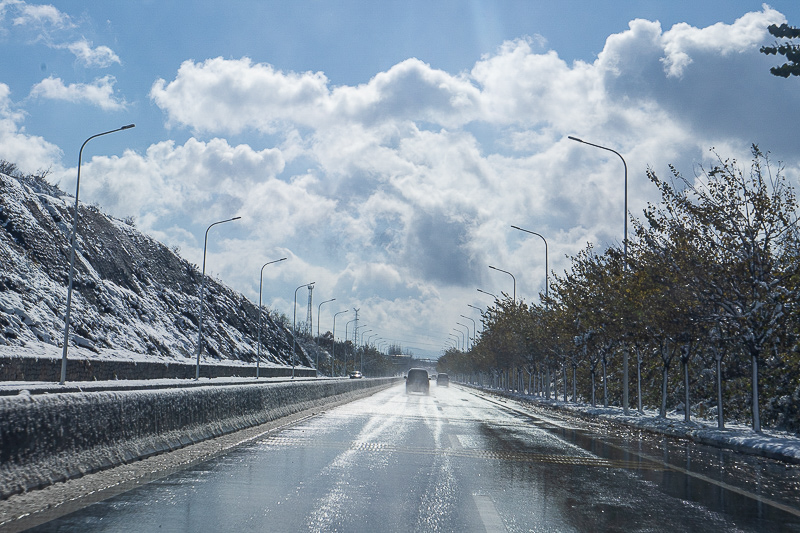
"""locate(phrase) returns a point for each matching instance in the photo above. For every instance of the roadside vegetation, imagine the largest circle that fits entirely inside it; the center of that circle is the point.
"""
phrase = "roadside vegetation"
(703, 310)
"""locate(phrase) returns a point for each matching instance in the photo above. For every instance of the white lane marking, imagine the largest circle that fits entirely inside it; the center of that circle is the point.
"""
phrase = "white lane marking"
(455, 442)
(488, 513)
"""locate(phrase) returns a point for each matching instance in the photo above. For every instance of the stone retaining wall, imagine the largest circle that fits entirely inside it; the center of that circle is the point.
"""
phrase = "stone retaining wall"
(49, 369)
(48, 438)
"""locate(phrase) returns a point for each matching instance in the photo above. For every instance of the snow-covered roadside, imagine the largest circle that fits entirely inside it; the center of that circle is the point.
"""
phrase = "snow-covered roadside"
(779, 445)
(44, 350)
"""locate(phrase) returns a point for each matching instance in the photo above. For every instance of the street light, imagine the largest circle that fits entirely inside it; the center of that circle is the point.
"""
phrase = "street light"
(294, 321)
(362, 350)
(624, 164)
(202, 294)
(463, 339)
(333, 349)
(625, 255)
(489, 293)
(73, 240)
(546, 267)
(466, 326)
(345, 346)
(260, 312)
(512, 277)
(319, 309)
(458, 344)
(474, 328)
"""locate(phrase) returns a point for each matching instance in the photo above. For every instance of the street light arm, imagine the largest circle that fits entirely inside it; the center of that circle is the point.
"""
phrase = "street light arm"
(512, 277)
(260, 312)
(625, 165)
(72, 242)
(546, 256)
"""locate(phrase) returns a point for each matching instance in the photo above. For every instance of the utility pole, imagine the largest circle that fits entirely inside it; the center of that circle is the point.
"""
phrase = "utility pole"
(355, 329)
(308, 314)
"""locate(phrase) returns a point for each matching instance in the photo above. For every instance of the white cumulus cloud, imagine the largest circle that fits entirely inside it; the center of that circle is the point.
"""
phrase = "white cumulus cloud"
(99, 93)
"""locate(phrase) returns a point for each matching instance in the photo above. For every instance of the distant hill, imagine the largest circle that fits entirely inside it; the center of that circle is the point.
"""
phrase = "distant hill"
(130, 291)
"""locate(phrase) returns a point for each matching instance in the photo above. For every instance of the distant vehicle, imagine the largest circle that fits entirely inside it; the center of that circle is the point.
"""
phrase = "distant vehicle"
(417, 381)
(443, 380)
(356, 375)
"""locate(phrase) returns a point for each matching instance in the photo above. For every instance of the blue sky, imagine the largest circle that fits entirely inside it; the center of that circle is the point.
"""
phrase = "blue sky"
(386, 147)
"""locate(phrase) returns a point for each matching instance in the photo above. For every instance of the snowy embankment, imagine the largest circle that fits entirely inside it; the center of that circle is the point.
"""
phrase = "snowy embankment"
(48, 438)
(773, 444)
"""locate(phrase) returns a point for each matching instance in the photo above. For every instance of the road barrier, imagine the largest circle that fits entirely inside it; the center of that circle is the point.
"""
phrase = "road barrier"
(48, 438)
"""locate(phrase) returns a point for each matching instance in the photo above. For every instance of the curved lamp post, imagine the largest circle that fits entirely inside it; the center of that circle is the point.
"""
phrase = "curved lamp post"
(362, 350)
(458, 344)
(474, 329)
(202, 294)
(294, 321)
(489, 293)
(624, 164)
(345, 347)
(479, 310)
(319, 309)
(512, 277)
(260, 312)
(625, 254)
(333, 349)
(468, 338)
(73, 240)
(546, 266)
(463, 339)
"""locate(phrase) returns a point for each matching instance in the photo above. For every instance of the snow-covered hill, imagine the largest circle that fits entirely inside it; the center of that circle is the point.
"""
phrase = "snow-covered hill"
(131, 292)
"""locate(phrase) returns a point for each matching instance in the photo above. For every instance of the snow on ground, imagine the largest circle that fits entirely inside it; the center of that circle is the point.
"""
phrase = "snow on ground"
(43, 350)
(769, 443)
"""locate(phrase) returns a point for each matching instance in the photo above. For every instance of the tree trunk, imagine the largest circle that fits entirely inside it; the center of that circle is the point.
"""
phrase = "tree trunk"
(574, 383)
(605, 384)
(593, 399)
(687, 410)
(625, 379)
(664, 376)
(756, 416)
(720, 417)
(564, 368)
(639, 379)
(547, 386)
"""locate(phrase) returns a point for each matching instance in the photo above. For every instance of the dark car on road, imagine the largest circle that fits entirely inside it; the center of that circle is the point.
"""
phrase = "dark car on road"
(442, 380)
(417, 381)
(356, 375)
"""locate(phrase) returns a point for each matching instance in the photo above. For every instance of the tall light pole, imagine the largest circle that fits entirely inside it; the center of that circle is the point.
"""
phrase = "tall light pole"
(466, 326)
(260, 312)
(362, 350)
(458, 344)
(294, 321)
(319, 309)
(624, 164)
(489, 293)
(625, 254)
(478, 309)
(546, 266)
(202, 294)
(345, 346)
(474, 329)
(73, 240)
(512, 277)
(463, 339)
(333, 349)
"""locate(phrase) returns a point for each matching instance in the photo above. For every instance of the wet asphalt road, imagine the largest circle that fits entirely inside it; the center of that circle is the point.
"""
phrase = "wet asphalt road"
(455, 461)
